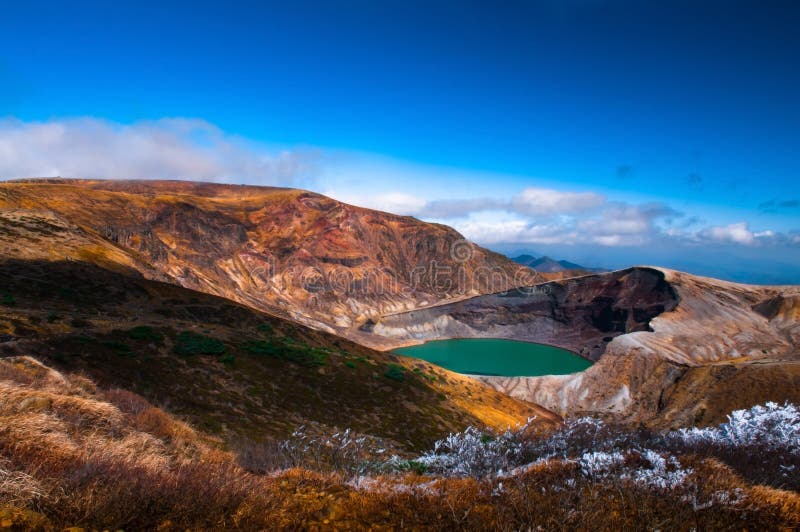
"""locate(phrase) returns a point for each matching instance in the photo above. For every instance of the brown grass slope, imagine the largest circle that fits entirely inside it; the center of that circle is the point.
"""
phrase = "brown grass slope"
(74, 454)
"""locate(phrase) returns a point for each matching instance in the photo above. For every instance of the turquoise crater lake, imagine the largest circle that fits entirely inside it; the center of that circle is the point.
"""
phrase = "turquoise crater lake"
(491, 356)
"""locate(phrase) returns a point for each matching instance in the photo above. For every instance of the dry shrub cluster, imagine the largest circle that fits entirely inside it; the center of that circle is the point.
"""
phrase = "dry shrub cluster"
(345, 452)
(70, 456)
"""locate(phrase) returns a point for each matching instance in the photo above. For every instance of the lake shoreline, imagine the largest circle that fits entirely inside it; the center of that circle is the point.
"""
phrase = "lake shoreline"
(497, 357)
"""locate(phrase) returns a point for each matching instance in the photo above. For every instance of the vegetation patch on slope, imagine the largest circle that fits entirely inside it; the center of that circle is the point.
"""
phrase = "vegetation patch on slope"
(75, 454)
(232, 372)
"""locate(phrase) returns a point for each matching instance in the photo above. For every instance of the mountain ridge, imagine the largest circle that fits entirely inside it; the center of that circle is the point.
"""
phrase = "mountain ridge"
(546, 264)
(311, 258)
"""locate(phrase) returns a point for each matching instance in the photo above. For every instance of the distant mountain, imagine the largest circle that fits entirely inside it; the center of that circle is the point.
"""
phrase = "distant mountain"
(545, 264)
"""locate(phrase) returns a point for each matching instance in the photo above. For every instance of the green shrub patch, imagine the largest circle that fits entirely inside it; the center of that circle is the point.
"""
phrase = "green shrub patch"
(190, 343)
(395, 372)
(145, 333)
(301, 354)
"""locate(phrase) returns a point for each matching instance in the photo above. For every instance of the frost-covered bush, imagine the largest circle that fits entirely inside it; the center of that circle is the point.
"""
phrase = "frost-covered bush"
(663, 473)
(771, 427)
(599, 463)
(343, 451)
(478, 453)
(647, 469)
(580, 435)
(762, 443)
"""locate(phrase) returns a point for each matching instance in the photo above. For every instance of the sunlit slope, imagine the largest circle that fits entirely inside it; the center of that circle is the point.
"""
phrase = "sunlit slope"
(317, 260)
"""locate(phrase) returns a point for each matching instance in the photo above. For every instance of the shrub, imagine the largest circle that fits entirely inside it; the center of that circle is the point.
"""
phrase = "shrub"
(288, 350)
(395, 372)
(190, 343)
(145, 333)
(396, 464)
(119, 348)
(762, 443)
(8, 300)
(478, 453)
(343, 451)
(771, 427)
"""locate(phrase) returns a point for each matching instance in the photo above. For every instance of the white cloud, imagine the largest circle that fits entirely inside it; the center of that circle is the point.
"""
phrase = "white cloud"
(620, 224)
(179, 148)
(442, 209)
(519, 231)
(171, 148)
(545, 201)
(737, 233)
(394, 202)
(610, 224)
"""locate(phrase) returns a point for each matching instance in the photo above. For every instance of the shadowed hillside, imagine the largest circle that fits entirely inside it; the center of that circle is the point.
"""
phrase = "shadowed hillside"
(229, 370)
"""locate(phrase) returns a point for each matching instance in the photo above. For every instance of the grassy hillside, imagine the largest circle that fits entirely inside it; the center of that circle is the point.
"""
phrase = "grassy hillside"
(232, 372)
(73, 454)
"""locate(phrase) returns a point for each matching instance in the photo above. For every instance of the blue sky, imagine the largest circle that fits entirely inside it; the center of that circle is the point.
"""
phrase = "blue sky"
(611, 132)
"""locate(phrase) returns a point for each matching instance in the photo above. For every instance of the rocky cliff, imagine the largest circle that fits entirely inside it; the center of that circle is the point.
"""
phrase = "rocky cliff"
(286, 251)
(581, 314)
(671, 348)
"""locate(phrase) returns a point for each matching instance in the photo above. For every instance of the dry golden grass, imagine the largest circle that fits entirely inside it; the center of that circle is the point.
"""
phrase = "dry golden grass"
(99, 459)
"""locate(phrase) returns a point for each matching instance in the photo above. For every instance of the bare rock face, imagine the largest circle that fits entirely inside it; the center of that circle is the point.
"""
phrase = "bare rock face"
(582, 314)
(671, 348)
(291, 252)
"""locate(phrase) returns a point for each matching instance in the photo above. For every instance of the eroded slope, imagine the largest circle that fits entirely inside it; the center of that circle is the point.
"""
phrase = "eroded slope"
(672, 348)
(581, 314)
(328, 264)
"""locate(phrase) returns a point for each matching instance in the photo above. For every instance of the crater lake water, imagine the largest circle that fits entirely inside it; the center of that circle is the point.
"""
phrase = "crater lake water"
(491, 356)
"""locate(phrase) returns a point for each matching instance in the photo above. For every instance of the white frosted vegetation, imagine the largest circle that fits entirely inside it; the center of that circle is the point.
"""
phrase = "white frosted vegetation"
(598, 453)
(761, 444)
(771, 427)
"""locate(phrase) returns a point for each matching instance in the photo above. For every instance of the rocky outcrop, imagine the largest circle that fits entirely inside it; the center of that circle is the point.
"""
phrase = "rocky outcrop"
(582, 314)
(712, 354)
(289, 252)
(667, 344)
